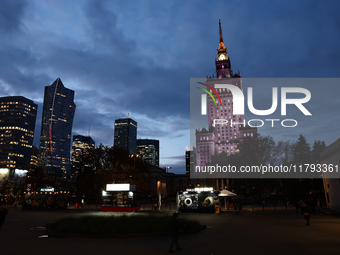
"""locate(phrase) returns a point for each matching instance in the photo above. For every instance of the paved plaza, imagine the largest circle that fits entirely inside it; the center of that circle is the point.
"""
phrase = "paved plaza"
(246, 232)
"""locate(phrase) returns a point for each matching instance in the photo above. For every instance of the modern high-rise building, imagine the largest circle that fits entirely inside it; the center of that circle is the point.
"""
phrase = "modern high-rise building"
(190, 158)
(56, 129)
(148, 150)
(222, 139)
(17, 122)
(126, 134)
(79, 144)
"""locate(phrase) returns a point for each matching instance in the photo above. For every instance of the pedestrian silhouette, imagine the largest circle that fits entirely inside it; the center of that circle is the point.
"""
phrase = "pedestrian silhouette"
(3, 213)
(174, 227)
(306, 215)
(298, 208)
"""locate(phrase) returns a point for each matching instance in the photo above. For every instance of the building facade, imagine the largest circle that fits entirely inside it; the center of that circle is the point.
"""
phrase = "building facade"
(17, 122)
(190, 158)
(56, 129)
(126, 134)
(35, 160)
(148, 150)
(331, 157)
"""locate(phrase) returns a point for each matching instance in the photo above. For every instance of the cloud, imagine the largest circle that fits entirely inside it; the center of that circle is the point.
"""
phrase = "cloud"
(125, 57)
(11, 13)
(177, 164)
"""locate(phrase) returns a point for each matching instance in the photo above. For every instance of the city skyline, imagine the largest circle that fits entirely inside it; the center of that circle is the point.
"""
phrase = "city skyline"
(137, 59)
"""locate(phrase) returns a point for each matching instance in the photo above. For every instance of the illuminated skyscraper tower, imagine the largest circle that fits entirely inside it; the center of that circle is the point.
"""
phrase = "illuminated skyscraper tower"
(56, 129)
(126, 134)
(17, 123)
(221, 139)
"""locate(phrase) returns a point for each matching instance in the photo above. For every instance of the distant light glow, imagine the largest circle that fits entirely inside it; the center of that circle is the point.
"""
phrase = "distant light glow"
(204, 189)
(118, 187)
(49, 189)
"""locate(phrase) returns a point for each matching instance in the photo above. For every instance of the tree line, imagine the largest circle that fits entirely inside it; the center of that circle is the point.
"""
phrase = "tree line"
(264, 150)
(92, 169)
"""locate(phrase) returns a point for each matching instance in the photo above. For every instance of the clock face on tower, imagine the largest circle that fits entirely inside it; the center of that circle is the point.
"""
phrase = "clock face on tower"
(221, 57)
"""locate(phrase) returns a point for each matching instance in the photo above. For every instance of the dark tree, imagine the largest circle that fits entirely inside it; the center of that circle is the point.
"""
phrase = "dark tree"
(254, 152)
(261, 150)
(318, 147)
(287, 153)
(302, 153)
(103, 165)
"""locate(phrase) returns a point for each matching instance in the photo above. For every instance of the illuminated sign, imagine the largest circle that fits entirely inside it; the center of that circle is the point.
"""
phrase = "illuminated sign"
(201, 189)
(204, 189)
(118, 187)
(49, 189)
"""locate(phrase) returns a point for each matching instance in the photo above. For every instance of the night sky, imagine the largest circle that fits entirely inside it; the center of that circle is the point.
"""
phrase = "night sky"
(137, 57)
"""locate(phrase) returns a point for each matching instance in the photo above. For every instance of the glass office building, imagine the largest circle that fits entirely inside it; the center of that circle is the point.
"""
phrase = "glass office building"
(148, 150)
(126, 134)
(17, 122)
(56, 129)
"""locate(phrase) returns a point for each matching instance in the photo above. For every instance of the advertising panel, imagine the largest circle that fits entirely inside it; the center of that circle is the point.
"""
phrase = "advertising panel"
(194, 201)
(45, 201)
(4, 173)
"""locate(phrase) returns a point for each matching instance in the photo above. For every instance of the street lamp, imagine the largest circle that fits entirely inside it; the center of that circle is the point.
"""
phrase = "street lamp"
(167, 168)
(134, 159)
(11, 171)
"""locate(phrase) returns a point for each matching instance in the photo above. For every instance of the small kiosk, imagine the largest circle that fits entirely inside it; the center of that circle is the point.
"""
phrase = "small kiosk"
(120, 197)
(227, 194)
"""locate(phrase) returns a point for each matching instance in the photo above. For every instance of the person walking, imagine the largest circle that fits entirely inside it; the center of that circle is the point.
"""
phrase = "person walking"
(306, 213)
(174, 227)
(298, 208)
(318, 206)
(3, 213)
(302, 205)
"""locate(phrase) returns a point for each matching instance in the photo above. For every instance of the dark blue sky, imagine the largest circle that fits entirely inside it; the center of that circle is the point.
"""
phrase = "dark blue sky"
(137, 57)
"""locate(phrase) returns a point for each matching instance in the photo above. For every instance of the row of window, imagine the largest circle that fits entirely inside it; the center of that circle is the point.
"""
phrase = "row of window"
(9, 103)
(248, 134)
(18, 128)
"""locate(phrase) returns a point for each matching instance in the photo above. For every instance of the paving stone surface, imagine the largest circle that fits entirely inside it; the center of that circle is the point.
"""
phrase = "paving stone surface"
(246, 232)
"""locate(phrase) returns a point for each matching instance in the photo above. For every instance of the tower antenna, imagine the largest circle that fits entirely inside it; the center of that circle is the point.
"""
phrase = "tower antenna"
(221, 46)
(219, 22)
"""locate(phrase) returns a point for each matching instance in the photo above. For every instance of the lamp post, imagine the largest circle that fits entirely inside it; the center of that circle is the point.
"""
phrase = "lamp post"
(134, 159)
(167, 168)
(11, 172)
